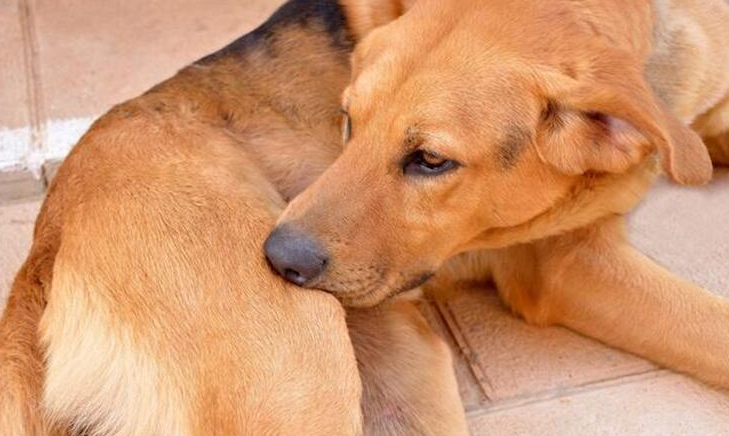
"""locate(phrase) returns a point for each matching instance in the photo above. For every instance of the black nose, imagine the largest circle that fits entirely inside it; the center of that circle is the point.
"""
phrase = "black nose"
(296, 256)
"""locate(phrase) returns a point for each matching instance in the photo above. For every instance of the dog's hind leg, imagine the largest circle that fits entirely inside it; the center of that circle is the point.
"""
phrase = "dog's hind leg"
(408, 382)
(21, 364)
(594, 282)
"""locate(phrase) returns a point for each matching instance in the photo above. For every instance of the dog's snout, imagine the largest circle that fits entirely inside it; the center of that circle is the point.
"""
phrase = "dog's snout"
(296, 256)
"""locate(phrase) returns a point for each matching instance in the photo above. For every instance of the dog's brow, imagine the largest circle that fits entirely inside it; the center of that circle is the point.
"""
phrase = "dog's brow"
(412, 137)
(512, 145)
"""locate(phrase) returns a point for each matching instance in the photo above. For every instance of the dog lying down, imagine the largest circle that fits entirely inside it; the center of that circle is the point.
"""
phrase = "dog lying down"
(512, 135)
(504, 141)
(146, 306)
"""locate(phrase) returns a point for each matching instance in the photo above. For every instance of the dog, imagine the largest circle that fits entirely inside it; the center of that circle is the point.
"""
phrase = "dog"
(145, 305)
(505, 141)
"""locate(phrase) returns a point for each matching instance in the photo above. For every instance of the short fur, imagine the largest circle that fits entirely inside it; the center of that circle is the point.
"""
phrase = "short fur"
(600, 91)
(145, 305)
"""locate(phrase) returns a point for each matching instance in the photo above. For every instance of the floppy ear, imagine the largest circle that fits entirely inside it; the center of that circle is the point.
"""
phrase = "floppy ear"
(608, 120)
(365, 15)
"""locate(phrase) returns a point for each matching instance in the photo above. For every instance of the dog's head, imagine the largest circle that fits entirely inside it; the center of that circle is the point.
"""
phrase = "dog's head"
(460, 118)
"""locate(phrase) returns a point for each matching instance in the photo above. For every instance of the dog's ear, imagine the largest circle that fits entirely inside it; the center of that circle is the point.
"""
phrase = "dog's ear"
(365, 15)
(608, 119)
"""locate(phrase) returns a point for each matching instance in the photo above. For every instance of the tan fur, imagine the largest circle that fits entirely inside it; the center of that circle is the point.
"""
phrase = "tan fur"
(403, 362)
(557, 113)
(146, 306)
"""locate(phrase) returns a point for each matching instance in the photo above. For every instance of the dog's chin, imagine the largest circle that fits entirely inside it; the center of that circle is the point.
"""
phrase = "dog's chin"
(372, 296)
(365, 299)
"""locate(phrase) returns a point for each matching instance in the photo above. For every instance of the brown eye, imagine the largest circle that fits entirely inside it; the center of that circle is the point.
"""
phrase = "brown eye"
(346, 126)
(431, 160)
(425, 163)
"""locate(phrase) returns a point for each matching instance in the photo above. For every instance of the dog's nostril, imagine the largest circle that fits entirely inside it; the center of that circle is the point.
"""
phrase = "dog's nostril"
(295, 255)
(294, 276)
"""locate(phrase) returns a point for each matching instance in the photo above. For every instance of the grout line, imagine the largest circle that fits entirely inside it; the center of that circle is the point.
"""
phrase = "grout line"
(465, 349)
(34, 90)
(581, 389)
(456, 351)
(60, 136)
(23, 171)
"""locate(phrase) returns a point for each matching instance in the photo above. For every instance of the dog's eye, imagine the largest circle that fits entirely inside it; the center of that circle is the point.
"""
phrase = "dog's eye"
(346, 126)
(425, 163)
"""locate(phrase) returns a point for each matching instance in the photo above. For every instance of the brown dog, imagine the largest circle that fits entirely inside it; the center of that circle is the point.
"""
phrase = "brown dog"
(520, 132)
(145, 306)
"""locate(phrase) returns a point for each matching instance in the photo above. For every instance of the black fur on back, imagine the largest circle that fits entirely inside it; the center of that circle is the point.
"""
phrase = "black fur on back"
(323, 15)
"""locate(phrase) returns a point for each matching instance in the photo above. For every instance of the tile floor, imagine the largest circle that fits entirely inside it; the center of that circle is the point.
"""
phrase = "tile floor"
(66, 61)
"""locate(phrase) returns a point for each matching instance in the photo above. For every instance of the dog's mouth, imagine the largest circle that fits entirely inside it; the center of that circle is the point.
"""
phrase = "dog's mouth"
(374, 293)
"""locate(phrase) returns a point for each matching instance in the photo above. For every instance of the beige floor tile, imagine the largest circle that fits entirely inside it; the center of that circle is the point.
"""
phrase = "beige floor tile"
(517, 360)
(98, 53)
(662, 404)
(13, 85)
(16, 231)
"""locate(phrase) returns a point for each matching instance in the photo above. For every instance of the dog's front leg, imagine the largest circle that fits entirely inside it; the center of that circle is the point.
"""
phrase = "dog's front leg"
(408, 382)
(593, 281)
